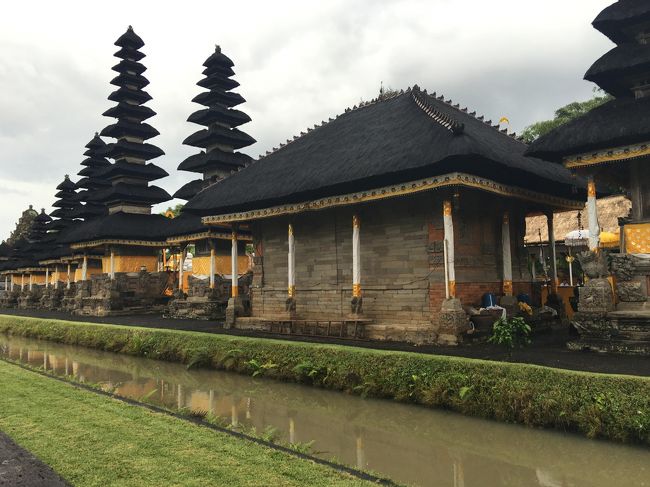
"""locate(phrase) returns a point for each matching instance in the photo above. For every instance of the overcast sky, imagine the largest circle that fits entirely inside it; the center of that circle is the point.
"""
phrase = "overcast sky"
(298, 63)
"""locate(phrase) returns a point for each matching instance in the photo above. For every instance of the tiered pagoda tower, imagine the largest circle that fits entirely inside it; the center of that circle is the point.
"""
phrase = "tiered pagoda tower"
(91, 181)
(128, 235)
(67, 205)
(220, 140)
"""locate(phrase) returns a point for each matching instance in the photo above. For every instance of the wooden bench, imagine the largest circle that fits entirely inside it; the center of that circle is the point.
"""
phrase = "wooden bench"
(317, 327)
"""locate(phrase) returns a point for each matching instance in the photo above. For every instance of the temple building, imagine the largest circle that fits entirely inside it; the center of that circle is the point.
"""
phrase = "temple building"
(204, 292)
(389, 221)
(610, 146)
(129, 237)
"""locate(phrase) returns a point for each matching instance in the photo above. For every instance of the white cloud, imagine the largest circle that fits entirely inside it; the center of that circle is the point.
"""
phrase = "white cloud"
(298, 63)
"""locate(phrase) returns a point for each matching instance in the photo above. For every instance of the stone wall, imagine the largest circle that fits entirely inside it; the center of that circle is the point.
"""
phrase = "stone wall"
(402, 267)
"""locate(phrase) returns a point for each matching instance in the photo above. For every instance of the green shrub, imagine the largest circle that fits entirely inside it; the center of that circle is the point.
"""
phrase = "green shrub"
(510, 333)
(596, 405)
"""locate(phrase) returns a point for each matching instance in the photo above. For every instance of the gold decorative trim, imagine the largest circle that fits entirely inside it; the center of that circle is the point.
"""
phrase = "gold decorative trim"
(610, 155)
(452, 179)
(135, 243)
(204, 235)
(31, 269)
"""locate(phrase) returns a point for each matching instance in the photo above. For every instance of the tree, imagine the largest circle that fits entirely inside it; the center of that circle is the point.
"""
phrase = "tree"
(176, 210)
(563, 115)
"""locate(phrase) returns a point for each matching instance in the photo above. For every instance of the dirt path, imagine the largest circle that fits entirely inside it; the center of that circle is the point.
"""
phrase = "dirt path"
(547, 349)
(19, 468)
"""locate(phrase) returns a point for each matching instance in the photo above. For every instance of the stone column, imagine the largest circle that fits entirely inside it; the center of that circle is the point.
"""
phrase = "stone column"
(213, 264)
(112, 264)
(291, 273)
(84, 268)
(357, 298)
(452, 319)
(235, 306)
(551, 245)
(449, 247)
(47, 277)
(181, 264)
(507, 256)
(592, 213)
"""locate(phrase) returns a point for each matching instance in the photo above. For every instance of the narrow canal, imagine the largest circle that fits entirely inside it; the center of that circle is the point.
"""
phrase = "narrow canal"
(407, 443)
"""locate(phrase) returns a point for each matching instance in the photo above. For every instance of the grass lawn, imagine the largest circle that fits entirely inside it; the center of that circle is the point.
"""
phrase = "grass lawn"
(93, 440)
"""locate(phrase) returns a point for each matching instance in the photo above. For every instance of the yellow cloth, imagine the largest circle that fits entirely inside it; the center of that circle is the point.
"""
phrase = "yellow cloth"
(609, 239)
(201, 265)
(637, 238)
(130, 263)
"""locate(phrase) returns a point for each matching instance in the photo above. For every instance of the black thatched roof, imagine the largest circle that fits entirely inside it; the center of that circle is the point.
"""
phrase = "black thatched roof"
(119, 226)
(123, 109)
(616, 123)
(66, 184)
(129, 40)
(203, 161)
(188, 224)
(144, 172)
(5, 249)
(404, 138)
(616, 71)
(619, 19)
(188, 190)
(126, 193)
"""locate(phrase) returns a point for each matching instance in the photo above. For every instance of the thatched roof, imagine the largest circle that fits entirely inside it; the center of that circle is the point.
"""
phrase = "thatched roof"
(609, 211)
(404, 138)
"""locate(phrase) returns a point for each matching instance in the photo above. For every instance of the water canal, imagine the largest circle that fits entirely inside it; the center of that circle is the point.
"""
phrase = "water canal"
(407, 443)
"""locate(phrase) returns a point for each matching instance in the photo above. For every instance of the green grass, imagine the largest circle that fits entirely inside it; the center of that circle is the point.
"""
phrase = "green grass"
(93, 440)
(596, 405)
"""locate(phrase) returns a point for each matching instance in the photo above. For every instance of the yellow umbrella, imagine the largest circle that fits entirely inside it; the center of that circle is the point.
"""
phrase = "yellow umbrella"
(609, 239)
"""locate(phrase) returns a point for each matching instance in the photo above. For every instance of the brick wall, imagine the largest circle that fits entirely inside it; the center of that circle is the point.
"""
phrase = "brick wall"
(402, 269)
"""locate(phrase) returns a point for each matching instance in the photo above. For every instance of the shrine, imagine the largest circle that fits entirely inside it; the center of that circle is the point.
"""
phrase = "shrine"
(610, 146)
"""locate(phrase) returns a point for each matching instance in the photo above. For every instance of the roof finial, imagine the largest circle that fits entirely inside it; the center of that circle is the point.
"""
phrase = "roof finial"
(130, 28)
(217, 48)
(67, 176)
(96, 134)
(42, 211)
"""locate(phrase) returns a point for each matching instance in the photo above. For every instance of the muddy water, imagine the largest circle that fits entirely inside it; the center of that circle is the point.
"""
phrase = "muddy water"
(409, 444)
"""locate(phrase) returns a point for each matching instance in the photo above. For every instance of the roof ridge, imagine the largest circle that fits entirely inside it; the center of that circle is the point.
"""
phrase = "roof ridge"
(446, 121)
(362, 104)
(465, 110)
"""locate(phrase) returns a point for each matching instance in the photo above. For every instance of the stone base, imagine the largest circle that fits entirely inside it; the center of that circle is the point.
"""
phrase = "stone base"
(453, 322)
(235, 308)
(623, 347)
(198, 309)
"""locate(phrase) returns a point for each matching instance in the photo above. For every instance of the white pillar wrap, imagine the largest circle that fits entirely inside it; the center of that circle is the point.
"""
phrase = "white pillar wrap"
(356, 257)
(291, 264)
(507, 256)
(112, 265)
(22, 282)
(449, 239)
(551, 244)
(6, 282)
(12, 283)
(31, 281)
(592, 214)
(213, 265)
(84, 268)
(233, 265)
(181, 263)
(56, 277)
(47, 277)
(69, 276)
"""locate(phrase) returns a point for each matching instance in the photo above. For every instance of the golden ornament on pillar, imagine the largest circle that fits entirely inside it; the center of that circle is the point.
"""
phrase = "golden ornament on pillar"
(452, 289)
(591, 188)
(446, 208)
(355, 221)
(507, 288)
(291, 291)
(356, 290)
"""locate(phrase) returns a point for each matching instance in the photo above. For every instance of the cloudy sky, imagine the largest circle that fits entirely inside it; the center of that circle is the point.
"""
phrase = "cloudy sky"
(298, 63)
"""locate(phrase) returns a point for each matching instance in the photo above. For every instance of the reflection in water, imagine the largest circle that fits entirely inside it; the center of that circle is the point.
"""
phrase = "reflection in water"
(407, 443)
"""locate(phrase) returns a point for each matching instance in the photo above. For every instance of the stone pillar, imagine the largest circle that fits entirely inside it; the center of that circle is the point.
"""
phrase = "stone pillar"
(213, 264)
(453, 319)
(507, 256)
(235, 307)
(181, 264)
(592, 213)
(69, 277)
(111, 270)
(47, 277)
(84, 268)
(357, 298)
(551, 244)
(291, 273)
(449, 246)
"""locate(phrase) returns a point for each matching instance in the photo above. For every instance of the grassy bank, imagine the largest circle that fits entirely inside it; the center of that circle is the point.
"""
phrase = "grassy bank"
(93, 440)
(597, 405)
